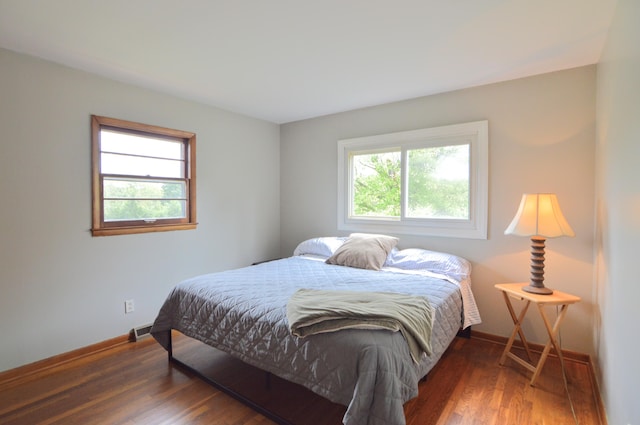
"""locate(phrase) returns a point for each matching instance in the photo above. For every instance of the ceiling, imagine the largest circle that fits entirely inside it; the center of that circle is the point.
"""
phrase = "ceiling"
(286, 60)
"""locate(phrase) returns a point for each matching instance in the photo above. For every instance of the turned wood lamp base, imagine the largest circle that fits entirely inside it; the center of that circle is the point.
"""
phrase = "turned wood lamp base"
(536, 285)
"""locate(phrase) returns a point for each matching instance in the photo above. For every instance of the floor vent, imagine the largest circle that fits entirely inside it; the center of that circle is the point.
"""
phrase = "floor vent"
(140, 332)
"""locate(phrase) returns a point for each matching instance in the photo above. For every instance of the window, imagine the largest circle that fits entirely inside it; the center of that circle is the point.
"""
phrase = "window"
(143, 178)
(431, 181)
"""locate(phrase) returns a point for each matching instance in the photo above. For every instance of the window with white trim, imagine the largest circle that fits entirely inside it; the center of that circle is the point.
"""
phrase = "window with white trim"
(143, 178)
(431, 181)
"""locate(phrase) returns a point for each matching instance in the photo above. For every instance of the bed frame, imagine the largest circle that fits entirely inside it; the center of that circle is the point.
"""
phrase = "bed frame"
(225, 389)
(466, 333)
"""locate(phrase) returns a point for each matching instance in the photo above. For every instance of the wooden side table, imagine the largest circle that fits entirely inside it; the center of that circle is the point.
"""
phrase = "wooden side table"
(514, 290)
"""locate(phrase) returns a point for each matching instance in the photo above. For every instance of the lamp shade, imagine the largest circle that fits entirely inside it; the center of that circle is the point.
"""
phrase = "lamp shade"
(539, 214)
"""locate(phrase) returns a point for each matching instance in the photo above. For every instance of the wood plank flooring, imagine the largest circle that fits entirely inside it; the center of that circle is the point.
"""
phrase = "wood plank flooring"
(134, 384)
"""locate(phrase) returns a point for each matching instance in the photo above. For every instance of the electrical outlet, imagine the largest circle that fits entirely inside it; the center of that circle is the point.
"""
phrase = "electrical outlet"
(128, 306)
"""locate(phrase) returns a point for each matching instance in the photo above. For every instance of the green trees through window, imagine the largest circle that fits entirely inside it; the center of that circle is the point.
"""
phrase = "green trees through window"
(437, 183)
(127, 199)
(376, 191)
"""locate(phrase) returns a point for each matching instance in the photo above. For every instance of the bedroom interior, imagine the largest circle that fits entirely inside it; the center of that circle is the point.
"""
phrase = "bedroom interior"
(267, 166)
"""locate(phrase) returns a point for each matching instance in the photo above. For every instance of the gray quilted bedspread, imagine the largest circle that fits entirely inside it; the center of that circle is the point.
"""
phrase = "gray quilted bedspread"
(243, 312)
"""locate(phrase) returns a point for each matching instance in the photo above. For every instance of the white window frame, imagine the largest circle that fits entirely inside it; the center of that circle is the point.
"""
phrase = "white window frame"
(476, 134)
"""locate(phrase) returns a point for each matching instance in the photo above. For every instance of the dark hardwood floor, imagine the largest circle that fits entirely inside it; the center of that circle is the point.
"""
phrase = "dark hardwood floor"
(134, 384)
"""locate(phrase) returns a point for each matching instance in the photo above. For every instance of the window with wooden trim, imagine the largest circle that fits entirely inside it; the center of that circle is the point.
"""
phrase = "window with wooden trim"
(143, 178)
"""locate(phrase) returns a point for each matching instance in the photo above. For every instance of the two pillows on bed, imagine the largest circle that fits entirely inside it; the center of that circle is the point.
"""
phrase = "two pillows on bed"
(376, 251)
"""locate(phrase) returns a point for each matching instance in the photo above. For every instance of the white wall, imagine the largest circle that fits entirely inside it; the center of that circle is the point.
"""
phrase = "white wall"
(618, 215)
(541, 139)
(60, 288)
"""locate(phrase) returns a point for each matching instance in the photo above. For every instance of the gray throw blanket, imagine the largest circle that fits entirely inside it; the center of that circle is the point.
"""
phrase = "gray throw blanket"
(311, 311)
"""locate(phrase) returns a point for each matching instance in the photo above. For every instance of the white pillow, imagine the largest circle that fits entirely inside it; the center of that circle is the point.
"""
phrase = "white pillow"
(450, 265)
(322, 247)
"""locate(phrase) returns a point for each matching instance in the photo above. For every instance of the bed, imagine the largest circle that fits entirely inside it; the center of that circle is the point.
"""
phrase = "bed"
(243, 312)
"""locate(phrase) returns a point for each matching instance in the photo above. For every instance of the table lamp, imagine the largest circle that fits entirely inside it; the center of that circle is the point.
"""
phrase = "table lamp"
(539, 216)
